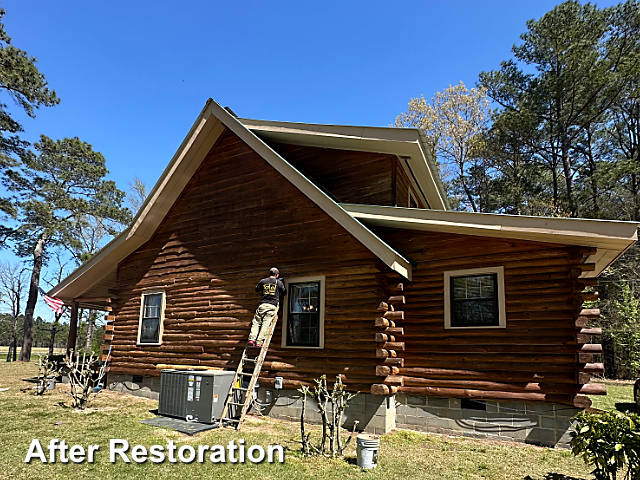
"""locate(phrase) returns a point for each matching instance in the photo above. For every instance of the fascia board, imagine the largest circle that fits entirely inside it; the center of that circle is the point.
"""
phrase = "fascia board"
(326, 130)
(100, 265)
(403, 142)
(611, 237)
(200, 139)
(197, 143)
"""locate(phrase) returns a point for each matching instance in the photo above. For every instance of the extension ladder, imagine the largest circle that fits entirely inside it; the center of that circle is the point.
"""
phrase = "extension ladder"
(237, 392)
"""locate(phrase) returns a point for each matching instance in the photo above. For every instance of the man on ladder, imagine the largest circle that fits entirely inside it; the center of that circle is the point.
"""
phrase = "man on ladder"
(240, 394)
(271, 289)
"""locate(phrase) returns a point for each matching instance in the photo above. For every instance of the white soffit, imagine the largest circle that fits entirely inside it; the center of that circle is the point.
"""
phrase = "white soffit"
(610, 237)
(403, 142)
(202, 136)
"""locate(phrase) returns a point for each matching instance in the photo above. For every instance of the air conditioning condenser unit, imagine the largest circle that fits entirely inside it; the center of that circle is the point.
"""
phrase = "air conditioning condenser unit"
(194, 395)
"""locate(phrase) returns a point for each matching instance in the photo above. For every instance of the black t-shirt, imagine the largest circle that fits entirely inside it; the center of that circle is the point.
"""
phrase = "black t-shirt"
(271, 289)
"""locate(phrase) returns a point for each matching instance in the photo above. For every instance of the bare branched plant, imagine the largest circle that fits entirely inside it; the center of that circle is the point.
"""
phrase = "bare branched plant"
(83, 377)
(331, 406)
(46, 369)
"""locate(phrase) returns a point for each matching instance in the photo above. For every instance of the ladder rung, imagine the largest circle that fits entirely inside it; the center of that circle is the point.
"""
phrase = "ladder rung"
(235, 420)
(236, 404)
(246, 374)
(239, 388)
(246, 359)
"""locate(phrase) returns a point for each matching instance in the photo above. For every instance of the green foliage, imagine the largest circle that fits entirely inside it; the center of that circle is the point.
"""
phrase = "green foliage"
(623, 329)
(583, 92)
(41, 332)
(454, 121)
(54, 193)
(610, 441)
(55, 190)
(27, 87)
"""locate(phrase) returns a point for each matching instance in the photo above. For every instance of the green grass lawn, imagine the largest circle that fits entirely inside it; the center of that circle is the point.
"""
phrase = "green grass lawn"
(403, 454)
(619, 396)
(35, 351)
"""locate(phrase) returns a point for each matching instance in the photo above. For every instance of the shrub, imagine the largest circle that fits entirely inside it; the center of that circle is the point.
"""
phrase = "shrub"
(331, 406)
(610, 441)
(84, 376)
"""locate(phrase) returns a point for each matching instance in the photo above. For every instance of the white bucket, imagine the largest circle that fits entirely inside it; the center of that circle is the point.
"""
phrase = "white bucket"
(367, 450)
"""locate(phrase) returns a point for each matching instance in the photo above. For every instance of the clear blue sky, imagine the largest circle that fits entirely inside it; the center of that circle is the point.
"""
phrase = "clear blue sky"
(132, 76)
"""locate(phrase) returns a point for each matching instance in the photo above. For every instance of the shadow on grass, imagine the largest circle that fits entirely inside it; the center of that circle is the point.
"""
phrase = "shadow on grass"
(627, 407)
(554, 476)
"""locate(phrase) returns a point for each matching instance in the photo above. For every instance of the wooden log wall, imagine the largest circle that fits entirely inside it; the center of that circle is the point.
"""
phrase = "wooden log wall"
(350, 177)
(237, 218)
(545, 352)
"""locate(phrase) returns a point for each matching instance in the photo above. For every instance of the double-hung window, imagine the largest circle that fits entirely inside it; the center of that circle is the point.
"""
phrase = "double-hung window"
(303, 325)
(151, 318)
(475, 298)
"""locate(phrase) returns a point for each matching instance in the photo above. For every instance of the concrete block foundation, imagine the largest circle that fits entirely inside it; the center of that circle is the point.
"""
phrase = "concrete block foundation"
(148, 387)
(540, 424)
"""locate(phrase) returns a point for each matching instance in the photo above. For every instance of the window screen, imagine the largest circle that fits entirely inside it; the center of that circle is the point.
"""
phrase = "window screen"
(150, 321)
(303, 315)
(474, 301)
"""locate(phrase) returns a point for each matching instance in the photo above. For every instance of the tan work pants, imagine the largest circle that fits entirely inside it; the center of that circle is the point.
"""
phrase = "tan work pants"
(262, 322)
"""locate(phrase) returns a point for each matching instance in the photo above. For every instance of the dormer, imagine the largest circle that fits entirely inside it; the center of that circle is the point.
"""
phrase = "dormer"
(359, 165)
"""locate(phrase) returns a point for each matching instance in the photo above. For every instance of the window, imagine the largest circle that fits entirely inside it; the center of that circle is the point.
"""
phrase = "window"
(474, 298)
(151, 317)
(412, 201)
(303, 325)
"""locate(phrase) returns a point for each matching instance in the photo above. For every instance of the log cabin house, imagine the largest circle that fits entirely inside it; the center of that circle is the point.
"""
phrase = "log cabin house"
(446, 321)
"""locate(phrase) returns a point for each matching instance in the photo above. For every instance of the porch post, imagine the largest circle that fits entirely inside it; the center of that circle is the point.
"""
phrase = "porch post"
(73, 328)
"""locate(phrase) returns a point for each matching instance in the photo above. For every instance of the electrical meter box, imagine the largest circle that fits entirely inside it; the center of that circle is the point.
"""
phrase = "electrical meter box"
(194, 395)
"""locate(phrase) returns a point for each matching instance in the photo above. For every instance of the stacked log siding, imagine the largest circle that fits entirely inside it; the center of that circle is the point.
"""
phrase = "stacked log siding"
(539, 356)
(340, 173)
(236, 218)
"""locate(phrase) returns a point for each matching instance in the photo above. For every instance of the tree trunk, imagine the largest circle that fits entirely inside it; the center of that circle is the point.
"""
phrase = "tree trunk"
(91, 323)
(54, 330)
(568, 176)
(554, 173)
(14, 343)
(636, 197)
(27, 343)
(16, 314)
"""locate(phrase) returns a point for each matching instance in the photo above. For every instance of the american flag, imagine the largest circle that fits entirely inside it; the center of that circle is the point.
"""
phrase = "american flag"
(54, 303)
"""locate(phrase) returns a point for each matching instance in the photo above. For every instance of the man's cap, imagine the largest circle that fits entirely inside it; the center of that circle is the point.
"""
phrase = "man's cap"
(274, 271)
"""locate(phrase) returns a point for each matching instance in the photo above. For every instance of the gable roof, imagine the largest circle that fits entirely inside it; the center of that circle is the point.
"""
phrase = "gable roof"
(611, 237)
(409, 144)
(95, 277)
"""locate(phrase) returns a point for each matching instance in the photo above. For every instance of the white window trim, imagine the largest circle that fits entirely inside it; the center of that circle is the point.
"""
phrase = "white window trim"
(502, 314)
(415, 200)
(163, 305)
(285, 308)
